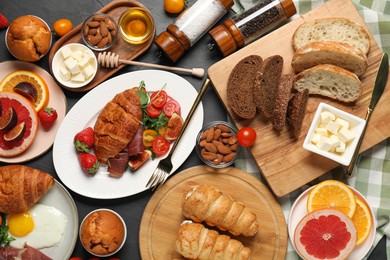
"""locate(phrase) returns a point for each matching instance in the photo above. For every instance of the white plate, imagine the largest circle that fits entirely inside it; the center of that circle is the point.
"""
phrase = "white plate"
(60, 198)
(84, 114)
(298, 211)
(44, 139)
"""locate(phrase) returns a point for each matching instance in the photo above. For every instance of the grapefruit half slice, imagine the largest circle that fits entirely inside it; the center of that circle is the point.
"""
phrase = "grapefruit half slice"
(26, 114)
(325, 234)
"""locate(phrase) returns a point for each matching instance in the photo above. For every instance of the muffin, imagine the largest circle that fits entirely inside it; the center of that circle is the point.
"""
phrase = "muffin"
(28, 38)
(102, 232)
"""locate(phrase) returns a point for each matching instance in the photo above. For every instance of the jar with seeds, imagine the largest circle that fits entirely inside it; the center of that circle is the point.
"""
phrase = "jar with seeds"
(249, 25)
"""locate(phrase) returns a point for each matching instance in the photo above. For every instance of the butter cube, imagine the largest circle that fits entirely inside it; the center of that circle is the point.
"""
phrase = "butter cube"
(325, 144)
(66, 52)
(315, 138)
(72, 65)
(345, 135)
(84, 61)
(335, 140)
(342, 122)
(79, 77)
(65, 74)
(341, 148)
(88, 71)
(332, 127)
(77, 55)
(327, 116)
(321, 131)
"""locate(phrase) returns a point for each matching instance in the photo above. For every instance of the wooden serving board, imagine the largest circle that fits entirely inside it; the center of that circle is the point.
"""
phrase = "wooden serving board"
(284, 163)
(121, 47)
(162, 217)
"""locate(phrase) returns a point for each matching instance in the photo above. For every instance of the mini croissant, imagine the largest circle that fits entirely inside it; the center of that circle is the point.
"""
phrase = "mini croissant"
(208, 204)
(21, 187)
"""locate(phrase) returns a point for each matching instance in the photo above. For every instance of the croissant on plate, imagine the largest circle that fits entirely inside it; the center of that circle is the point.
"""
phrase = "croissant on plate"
(208, 204)
(195, 241)
(21, 187)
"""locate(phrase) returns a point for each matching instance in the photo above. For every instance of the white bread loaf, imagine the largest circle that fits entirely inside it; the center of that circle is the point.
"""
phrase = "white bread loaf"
(332, 29)
(329, 52)
(329, 81)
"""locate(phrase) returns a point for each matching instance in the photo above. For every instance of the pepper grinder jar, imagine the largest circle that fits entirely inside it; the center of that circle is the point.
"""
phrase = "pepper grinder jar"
(249, 25)
(190, 26)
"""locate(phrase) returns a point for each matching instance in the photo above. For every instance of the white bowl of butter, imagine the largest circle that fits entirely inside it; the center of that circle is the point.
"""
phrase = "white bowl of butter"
(334, 134)
(74, 65)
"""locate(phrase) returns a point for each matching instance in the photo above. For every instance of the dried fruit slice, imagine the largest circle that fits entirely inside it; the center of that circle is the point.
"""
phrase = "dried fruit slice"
(174, 126)
(362, 220)
(9, 119)
(332, 194)
(15, 133)
(25, 114)
(325, 234)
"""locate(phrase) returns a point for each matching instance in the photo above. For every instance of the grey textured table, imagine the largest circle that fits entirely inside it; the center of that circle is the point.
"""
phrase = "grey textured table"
(130, 208)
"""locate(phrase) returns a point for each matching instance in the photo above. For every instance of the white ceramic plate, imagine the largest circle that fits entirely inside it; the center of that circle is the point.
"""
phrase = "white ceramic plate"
(60, 198)
(84, 114)
(44, 139)
(298, 211)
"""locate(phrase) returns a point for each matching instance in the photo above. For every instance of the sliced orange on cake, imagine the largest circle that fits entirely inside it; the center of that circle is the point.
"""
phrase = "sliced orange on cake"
(28, 84)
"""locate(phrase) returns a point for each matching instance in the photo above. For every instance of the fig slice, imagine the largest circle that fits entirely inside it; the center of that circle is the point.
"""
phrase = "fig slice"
(15, 133)
(9, 119)
(27, 90)
(174, 126)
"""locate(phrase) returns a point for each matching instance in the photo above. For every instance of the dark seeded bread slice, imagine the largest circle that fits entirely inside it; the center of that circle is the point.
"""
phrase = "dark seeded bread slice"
(281, 102)
(240, 86)
(296, 112)
(266, 86)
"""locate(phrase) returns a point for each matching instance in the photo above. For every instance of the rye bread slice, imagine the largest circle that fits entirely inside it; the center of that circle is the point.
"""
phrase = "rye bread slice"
(266, 86)
(240, 86)
(296, 112)
(281, 102)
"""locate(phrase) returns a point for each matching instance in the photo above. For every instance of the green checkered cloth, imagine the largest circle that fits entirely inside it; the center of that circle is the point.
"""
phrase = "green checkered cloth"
(371, 176)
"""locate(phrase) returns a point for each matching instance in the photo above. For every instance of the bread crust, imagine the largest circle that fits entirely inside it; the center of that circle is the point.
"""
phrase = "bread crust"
(281, 102)
(296, 112)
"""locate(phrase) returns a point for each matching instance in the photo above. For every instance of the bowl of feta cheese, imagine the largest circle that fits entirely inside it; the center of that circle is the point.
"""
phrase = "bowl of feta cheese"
(334, 133)
(74, 65)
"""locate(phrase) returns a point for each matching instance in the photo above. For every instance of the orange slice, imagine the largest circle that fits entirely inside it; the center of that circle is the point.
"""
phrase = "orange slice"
(19, 76)
(362, 220)
(332, 194)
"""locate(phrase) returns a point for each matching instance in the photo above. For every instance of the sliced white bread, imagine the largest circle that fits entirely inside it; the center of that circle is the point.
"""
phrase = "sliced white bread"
(329, 81)
(332, 29)
(240, 86)
(329, 52)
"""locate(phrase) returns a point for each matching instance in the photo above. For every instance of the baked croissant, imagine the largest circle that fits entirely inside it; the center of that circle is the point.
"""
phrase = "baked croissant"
(194, 241)
(117, 124)
(21, 187)
(208, 204)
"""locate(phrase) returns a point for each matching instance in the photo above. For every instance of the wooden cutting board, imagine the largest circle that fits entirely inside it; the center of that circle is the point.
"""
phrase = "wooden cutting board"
(162, 216)
(284, 163)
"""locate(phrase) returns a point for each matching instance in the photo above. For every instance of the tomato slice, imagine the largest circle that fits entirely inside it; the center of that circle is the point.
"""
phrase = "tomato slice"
(160, 146)
(159, 98)
(170, 107)
(148, 136)
(152, 111)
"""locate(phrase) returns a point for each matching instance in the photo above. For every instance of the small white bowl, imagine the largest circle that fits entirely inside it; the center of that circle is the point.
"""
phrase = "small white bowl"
(356, 126)
(58, 63)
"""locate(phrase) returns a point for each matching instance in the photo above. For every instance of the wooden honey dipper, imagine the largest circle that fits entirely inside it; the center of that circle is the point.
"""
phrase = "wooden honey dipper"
(112, 60)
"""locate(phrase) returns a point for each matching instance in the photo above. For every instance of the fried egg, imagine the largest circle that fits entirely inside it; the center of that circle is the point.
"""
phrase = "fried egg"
(40, 227)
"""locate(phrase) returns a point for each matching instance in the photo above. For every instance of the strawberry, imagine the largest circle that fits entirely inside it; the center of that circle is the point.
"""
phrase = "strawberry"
(88, 163)
(83, 141)
(47, 117)
(3, 21)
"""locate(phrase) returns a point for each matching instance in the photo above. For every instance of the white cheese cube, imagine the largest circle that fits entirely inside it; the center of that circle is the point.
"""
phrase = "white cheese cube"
(342, 122)
(88, 71)
(72, 65)
(64, 73)
(327, 116)
(79, 77)
(66, 52)
(84, 61)
(332, 127)
(321, 131)
(77, 55)
(341, 148)
(325, 144)
(315, 138)
(335, 140)
(345, 135)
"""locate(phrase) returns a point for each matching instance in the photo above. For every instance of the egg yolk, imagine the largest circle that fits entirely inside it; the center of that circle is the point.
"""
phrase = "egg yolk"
(20, 224)
(136, 27)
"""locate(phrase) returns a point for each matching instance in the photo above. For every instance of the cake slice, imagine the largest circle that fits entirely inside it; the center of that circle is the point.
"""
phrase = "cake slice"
(296, 112)
(281, 102)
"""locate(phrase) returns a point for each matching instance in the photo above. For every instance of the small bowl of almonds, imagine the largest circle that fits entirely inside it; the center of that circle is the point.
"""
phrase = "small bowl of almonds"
(217, 144)
(99, 32)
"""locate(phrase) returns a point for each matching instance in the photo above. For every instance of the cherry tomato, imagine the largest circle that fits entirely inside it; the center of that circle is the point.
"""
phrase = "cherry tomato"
(170, 107)
(62, 27)
(148, 136)
(246, 136)
(173, 6)
(160, 146)
(159, 98)
(152, 111)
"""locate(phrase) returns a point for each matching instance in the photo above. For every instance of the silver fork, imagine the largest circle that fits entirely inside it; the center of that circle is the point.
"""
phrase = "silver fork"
(165, 166)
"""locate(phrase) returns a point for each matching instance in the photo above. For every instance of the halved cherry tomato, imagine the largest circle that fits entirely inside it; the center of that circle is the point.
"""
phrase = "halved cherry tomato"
(160, 146)
(62, 27)
(148, 136)
(159, 98)
(170, 107)
(152, 111)
(246, 136)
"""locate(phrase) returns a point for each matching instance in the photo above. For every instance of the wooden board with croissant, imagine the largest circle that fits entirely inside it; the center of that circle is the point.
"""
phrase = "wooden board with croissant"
(163, 216)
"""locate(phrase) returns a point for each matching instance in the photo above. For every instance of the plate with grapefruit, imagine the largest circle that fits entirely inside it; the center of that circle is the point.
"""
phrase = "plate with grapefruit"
(331, 221)
(25, 89)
